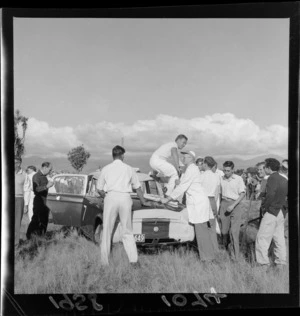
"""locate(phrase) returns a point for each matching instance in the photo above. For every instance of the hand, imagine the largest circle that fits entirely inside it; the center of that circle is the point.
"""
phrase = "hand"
(25, 209)
(49, 184)
(230, 208)
(164, 200)
(146, 203)
(177, 182)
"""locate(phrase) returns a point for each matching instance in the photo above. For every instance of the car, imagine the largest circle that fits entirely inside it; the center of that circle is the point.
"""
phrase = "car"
(74, 201)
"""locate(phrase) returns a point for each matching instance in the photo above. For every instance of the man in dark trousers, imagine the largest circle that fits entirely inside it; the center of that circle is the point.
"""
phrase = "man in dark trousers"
(41, 184)
(272, 224)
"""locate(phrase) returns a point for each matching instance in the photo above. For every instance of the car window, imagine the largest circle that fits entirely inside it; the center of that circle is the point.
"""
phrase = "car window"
(92, 188)
(153, 188)
(69, 184)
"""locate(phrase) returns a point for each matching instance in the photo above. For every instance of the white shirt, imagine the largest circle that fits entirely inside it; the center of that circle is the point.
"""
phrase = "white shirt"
(197, 202)
(165, 151)
(284, 175)
(220, 173)
(118, 177)
(211, 183)
(231, 188)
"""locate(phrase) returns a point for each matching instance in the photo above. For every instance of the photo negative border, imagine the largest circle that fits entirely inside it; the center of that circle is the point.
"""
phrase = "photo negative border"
(41, 304)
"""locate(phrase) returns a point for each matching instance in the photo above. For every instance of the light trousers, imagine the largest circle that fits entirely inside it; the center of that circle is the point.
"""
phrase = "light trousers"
(30, 206)
(206, 240)
(271, 227)
(118, 204)
(19, 210)
(167, 170)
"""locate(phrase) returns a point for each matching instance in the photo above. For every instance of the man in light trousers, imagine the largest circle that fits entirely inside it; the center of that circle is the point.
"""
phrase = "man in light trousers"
(115, 184)
(272, 223)
(159, 161)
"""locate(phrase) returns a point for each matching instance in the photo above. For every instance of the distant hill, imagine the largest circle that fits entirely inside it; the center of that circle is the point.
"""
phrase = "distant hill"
(138, 162)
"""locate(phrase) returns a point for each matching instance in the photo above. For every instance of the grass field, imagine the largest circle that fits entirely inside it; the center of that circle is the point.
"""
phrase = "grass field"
(68, 263)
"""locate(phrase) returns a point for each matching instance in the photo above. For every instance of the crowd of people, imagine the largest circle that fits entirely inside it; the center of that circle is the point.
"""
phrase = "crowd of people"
(212, 197)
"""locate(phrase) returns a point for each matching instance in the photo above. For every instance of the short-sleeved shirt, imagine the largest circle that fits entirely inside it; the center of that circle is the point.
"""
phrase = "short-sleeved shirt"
(231, 188)
(211, 183)
(118, 177)
(165, 151)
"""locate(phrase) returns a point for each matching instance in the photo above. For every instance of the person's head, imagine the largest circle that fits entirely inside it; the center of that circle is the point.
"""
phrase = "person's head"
(30, 169)
(181, 141)
(46, 168)
(214, 168)
(199, 163)
(271, 165)
(208, 163)
(228, 169)
(118, 152)
(189, 157)
(18, 163)
(284, 168)
(261, 169)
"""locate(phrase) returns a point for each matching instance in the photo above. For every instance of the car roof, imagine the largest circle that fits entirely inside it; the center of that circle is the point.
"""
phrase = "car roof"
(141, 176)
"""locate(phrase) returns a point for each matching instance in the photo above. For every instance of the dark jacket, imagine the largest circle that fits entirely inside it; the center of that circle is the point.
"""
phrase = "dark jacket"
(276, 194)
(39, 183)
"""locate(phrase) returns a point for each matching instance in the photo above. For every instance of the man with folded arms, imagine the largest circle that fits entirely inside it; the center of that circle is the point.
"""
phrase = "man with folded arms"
(198, 206)
(233, 192)
(272, 223)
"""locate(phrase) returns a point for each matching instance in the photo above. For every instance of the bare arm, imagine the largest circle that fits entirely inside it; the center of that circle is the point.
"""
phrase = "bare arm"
(213, 205)
(175, 157)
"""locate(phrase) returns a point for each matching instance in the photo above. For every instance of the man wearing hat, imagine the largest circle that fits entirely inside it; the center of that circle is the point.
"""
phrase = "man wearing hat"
(159, 163)
(198, 206)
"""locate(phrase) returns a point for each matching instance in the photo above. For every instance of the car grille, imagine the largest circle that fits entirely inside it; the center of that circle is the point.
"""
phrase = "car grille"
(155, 229)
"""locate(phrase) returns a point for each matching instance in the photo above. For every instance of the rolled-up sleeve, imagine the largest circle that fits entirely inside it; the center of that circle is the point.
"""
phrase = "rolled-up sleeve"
(135, 180)
(101, 181)
(242, 188)
(185, 183)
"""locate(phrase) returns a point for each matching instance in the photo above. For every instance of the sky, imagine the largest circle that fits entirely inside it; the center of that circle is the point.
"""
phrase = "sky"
(221, 82)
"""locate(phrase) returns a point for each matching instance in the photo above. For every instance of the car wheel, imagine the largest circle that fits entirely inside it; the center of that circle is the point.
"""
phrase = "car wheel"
(97, 232)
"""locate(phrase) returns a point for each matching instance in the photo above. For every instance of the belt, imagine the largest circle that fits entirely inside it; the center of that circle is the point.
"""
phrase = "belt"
(227, 199)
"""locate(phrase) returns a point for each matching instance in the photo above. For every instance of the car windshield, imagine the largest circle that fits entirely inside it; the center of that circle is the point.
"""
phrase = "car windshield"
(68, 184)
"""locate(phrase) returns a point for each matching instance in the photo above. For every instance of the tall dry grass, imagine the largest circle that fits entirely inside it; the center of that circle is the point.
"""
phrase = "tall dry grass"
(68, 263)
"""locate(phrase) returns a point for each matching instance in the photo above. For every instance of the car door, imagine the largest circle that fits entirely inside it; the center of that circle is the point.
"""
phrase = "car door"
(65, 199)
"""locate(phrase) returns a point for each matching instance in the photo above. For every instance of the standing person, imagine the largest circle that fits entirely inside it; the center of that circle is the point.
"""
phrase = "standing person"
(22, 192)
(284, 171)
(198, 206)
(211, 184)
(159, 163)
(31, 171)
(220, 174)
(115, 184)
(272, 224)
(263, 183)
(233, 192)
(41, 184)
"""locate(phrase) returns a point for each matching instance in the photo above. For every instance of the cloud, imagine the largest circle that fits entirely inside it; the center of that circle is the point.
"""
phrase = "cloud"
(218, 134)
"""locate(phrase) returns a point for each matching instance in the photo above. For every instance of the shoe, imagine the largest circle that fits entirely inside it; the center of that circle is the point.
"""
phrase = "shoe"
(135, 265)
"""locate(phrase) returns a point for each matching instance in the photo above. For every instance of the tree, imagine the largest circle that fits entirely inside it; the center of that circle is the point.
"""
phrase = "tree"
(78, 157)
(20, 126)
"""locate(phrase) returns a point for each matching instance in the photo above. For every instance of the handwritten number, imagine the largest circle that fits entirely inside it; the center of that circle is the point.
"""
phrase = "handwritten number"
(165, 300)
(53, 302)
(216, 296)
(200, 300)
(66, 303)
(82, 299)
(181, 297)
(96, 306)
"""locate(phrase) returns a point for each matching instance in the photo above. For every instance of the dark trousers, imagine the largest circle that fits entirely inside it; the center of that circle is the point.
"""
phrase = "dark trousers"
(19, 210)
(39, 220)
(230, 227)
(207, 246)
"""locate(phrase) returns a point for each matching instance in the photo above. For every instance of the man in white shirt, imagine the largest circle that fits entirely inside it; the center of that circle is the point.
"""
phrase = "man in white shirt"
(233, 192)
(115, 184)
(198, 206)
(159, 163)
